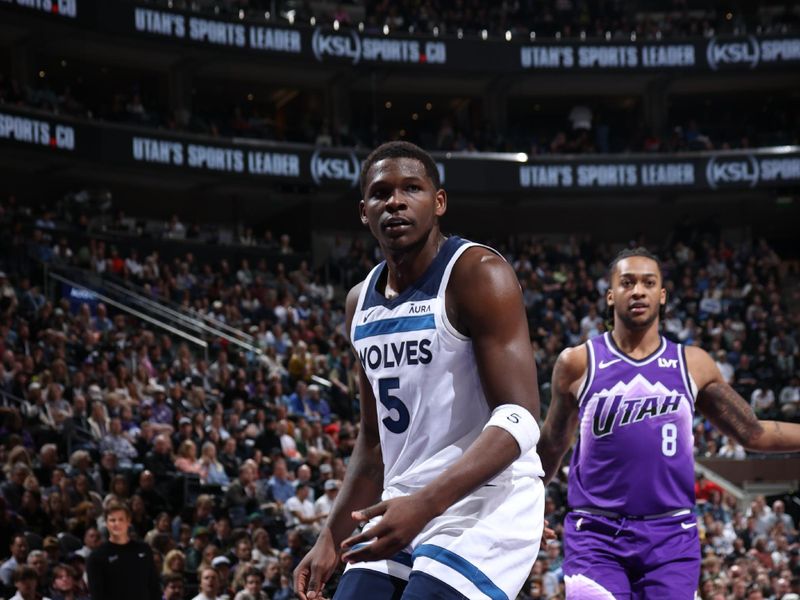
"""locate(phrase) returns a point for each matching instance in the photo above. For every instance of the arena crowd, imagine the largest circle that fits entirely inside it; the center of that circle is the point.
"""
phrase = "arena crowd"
(230, 463)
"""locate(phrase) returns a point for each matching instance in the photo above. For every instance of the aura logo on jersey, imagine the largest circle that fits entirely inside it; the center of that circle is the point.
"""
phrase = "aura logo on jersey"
(335, 168)
(337, 45)
(721, 171)
(741, 52)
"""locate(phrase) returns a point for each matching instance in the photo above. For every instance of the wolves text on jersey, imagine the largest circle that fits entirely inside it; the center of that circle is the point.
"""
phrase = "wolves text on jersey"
(396, 354)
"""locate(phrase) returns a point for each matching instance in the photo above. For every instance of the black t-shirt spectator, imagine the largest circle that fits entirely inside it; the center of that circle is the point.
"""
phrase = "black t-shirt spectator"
(123, 572)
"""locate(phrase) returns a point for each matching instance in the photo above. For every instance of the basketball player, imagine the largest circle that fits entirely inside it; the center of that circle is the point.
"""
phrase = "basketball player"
(630, 532)
(444, 471)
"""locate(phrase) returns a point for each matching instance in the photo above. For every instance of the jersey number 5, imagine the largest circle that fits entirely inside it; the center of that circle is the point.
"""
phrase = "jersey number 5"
(400, 424)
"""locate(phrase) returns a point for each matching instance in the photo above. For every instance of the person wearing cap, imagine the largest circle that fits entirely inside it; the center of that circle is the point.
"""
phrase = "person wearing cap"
(184, 432)
(316, 405)
(162, 413)
(199, 541)
(222, 564)
(122, 568)
(323, 505)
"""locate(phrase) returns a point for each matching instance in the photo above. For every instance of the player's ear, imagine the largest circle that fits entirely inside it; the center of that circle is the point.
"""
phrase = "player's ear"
(362, 212)
(441, 202)
(663, 299)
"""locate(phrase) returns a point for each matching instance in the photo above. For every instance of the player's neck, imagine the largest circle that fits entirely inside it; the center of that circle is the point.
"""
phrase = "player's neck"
(637, 343)
(409, 264)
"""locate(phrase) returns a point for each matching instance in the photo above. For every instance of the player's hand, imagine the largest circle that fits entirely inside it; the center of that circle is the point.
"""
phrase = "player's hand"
(316, 568)
(403, 518)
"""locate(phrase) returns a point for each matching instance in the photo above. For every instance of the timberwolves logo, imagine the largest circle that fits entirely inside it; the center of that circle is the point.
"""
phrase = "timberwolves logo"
(338, 45)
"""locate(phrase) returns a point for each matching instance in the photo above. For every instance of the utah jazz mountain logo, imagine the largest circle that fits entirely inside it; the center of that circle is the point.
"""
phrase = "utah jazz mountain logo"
(625, 404)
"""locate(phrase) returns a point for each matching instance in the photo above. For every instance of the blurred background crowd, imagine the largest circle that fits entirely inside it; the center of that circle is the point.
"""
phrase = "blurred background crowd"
(180, 345)
(232, 458)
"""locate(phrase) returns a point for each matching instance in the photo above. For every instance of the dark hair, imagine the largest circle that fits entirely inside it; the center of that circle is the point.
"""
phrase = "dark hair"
(172, 578)
(253, 572)
(400, 150)
(23, 572)
(69, 570)
(622, 255)
(628, 253)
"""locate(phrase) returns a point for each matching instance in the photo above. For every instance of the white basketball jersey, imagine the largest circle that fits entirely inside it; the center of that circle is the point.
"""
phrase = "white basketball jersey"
(429, 398)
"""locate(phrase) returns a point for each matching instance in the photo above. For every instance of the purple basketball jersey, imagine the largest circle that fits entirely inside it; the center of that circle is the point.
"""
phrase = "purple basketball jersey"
(634, 452)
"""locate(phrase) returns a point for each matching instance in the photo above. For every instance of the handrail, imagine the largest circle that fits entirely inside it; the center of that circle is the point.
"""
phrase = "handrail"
(139, 315)
(197, 320)
(196, 323)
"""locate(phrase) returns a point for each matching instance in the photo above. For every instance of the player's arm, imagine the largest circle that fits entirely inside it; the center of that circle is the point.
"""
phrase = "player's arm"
(487, 306)
(732, 415)
(559, 427)
(362, 486)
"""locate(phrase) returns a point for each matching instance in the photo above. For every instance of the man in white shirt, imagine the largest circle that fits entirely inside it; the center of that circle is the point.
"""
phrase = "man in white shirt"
(209, 584)
(19, 554)
(26, 581)
(322, 507)
(300, 510)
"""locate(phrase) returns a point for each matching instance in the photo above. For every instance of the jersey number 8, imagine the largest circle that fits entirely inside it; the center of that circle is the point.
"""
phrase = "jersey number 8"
(669, 439)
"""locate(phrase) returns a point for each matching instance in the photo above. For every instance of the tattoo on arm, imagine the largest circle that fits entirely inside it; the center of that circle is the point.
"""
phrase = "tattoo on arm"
(729, 413)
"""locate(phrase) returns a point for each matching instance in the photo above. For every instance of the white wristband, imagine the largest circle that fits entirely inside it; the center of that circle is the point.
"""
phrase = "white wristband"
(519, 422)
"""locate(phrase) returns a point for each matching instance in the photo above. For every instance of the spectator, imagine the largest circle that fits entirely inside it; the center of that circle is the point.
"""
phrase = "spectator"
(19, 556)
(122, 568)
(209, 584)
(323, 505)
(65, 584)
(299, 509)
(26, 581)
(279, 486)
(212, 469)
(186, 459)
